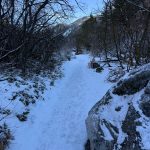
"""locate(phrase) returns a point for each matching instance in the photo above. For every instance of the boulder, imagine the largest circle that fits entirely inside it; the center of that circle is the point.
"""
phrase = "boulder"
(119, 120)
(145, 101)
(145, 104)
(96, 135)
(95, 65)
(132, 140)
(115, 75)
(147, 89)
(99, 69)
(133, 84)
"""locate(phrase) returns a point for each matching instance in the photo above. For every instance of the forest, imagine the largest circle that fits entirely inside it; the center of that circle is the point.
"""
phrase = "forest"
(120, 32)
(27, 31)
(30, 31)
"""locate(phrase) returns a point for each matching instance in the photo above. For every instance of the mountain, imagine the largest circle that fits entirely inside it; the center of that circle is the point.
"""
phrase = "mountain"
(75, 26)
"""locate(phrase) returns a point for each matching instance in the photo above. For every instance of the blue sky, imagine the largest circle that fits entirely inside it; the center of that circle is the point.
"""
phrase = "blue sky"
(89, 6)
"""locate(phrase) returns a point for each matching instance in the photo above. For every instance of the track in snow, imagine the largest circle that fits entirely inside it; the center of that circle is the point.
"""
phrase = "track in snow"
(58, 123)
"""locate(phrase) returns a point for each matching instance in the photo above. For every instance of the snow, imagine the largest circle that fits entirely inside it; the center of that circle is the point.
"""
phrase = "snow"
(108, 112)
(75, 26)
(116, 118)
(67, 32)
(107, 134)
(58, 122)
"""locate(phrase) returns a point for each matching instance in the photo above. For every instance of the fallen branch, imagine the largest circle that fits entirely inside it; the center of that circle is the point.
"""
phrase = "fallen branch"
(11, 52)
(111, 60)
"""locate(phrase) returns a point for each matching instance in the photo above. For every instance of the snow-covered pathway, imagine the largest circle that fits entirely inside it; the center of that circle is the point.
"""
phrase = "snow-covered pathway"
(58, 123)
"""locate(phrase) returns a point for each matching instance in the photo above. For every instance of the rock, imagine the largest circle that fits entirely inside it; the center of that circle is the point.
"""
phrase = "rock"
(115, 75)
(118, 108)
(147, 89)
(145, 104)
(11, 80)
(133, 84)
(96, 135)
(78, 52)
(132, 141)
(87, 145)
(22, 117)
(6, 112)
(103, 135)
(145, 101)
(95, 65)
(99, 69)
(94, 130)
(117, 121)
(52, 83)
(104, 101)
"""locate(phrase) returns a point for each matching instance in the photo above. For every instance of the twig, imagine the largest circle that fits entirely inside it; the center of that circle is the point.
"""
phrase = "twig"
(12, 51)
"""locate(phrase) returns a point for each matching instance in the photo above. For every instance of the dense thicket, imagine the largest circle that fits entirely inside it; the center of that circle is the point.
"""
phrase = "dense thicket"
(27, 33)
(121, 32)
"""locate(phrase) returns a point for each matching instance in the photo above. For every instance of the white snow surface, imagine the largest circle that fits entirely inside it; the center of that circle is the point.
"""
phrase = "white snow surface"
(58, 122)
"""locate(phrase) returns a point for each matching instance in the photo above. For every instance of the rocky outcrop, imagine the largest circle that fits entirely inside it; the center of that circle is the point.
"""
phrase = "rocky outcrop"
(147, 89)
(115, 75)
(133, 84)
(95, 65)
(120, 120)
(95, 132)
(132, 141)
(145, 101)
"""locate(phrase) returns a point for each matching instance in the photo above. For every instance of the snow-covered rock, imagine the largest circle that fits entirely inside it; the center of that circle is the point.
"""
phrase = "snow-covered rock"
(115, 75)
(133, 84)
(145, 101)
(121, 119)
(147, 90)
